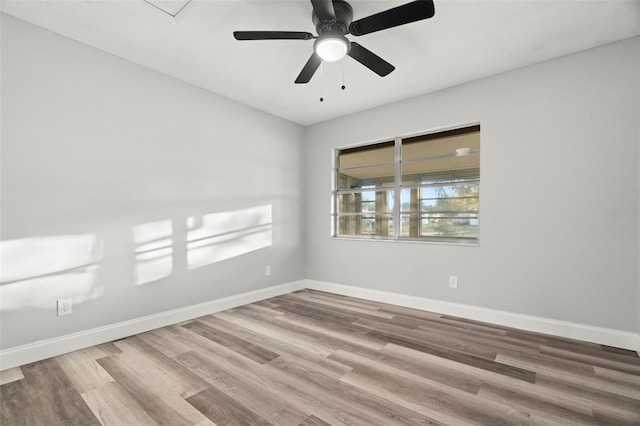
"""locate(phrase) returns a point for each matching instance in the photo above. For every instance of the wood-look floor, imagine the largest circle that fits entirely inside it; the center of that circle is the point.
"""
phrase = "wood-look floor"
(312, 358)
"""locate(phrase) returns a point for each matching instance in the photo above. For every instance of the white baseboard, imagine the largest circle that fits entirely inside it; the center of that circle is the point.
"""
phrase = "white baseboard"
(21, 355)
(599, 335)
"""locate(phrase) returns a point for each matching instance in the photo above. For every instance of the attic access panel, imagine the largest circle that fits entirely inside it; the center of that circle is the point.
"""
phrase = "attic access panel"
(170, 7)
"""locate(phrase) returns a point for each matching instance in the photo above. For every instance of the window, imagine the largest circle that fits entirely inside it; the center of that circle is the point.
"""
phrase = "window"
(422, 188)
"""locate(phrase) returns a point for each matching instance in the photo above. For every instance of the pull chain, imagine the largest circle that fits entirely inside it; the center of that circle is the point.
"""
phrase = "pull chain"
(321, 81)
(343, 86)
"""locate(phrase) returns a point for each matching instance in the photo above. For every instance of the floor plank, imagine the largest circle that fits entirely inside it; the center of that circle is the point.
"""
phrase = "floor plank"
(461, 357)
(224, 410)
(163, 405)
(84, 371)
(243, 347)
(112, 405)
(248, 392)
(10, 375)
(45, 396)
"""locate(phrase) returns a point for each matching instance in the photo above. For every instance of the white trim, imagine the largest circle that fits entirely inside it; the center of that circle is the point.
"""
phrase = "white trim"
(599, 335)
(20, 355)
(17, 356)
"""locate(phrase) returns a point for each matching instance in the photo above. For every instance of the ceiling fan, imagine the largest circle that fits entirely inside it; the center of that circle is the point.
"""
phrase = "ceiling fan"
(333, 21)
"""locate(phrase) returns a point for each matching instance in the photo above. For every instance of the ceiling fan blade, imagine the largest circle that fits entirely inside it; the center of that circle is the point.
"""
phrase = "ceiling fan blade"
(272, 35)
(370, 60)
(410, 12)
(309, 69)
(324, 10)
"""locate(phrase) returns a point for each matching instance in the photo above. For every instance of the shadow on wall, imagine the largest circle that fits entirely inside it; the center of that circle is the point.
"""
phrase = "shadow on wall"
(38, 270)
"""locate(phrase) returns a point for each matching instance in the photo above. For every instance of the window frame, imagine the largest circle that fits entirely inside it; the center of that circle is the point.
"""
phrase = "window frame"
(396, 189)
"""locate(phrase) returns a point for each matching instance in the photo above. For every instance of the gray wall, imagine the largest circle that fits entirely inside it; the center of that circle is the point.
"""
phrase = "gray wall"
(559, 149)
(96, 152)
(95, 147)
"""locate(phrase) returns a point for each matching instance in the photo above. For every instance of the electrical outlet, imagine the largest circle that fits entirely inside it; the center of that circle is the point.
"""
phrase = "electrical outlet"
(453, 281)
(64, 306)
(267, 271)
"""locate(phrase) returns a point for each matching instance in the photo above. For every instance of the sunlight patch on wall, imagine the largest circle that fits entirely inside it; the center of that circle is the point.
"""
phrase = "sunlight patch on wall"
(37, 271)
(154, 251)
(221, 236)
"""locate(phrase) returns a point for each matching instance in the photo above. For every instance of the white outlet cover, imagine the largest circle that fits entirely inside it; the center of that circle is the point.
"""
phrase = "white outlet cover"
(453, 281)
(65, 306)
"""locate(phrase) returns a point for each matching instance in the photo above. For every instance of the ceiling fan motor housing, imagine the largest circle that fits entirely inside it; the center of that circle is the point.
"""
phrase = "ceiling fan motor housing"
(344, 16)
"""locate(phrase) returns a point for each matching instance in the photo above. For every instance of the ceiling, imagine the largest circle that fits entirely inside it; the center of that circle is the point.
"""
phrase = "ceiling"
(464, 41)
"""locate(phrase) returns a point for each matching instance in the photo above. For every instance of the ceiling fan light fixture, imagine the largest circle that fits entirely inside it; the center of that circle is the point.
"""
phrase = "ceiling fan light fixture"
(331, 47)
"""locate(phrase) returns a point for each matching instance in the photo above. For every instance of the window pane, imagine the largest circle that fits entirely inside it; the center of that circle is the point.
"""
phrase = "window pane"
(430, 154)
(448, 191)
(367, 201)
(368, 196)
(456, 226)
(450, 205)
(366, 225)
(443, 211)
(450, 198)
(368, 207)
(367, 176)
(366, 166)
(366, 155)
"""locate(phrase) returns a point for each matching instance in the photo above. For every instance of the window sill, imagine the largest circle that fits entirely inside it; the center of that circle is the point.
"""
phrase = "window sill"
(470, 242)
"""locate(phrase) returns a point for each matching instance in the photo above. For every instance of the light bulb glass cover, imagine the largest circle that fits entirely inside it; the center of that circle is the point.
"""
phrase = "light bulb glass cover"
(332, 48)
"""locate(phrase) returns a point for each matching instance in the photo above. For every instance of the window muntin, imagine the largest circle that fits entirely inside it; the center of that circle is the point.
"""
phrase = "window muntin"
(435, 178)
